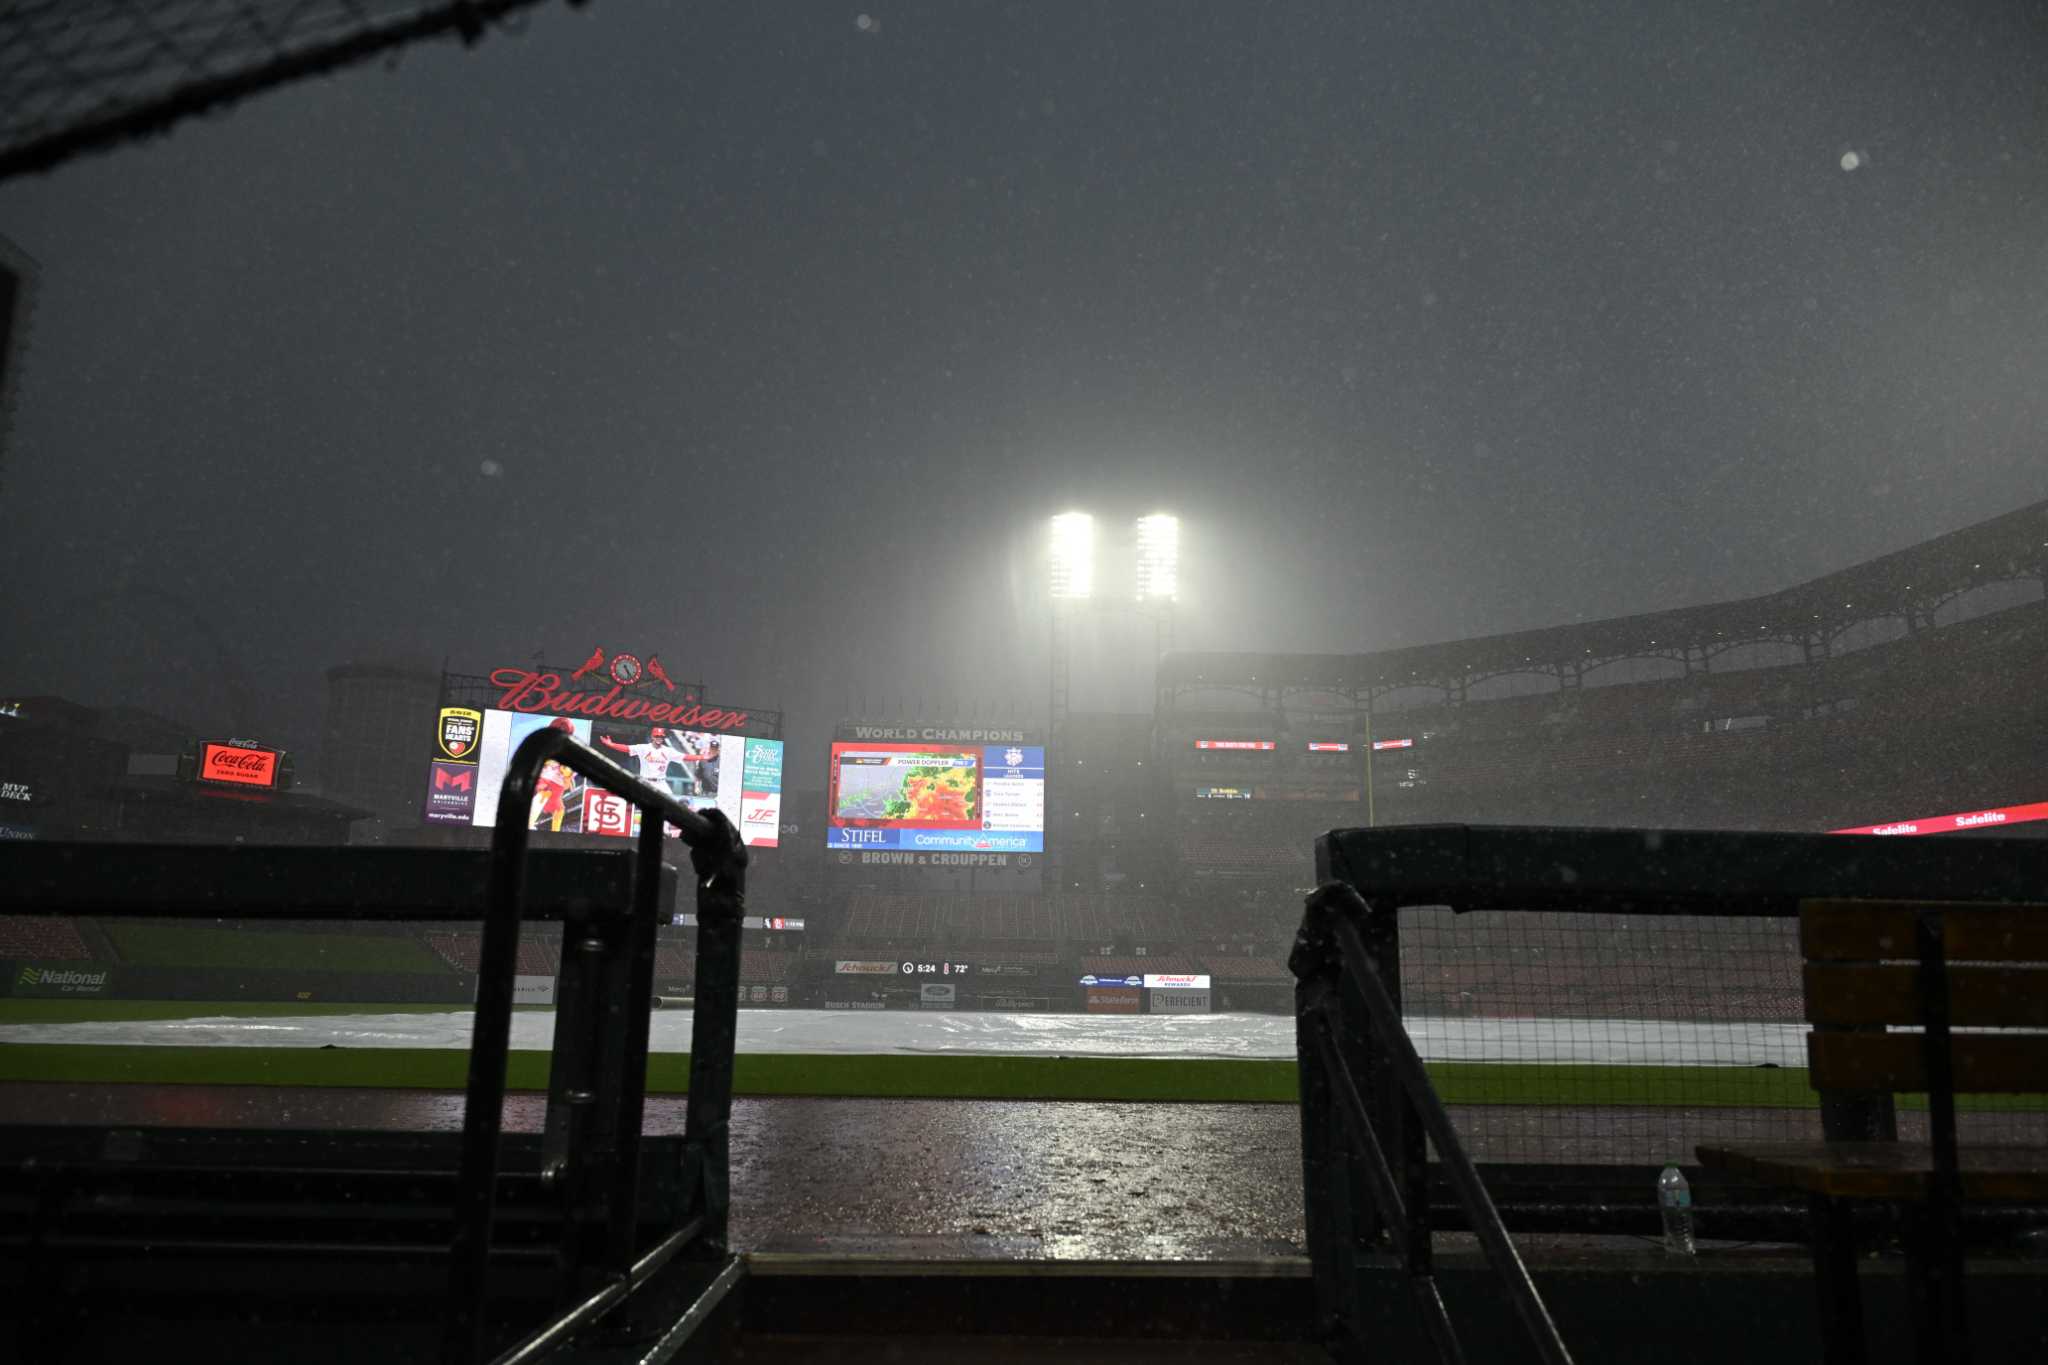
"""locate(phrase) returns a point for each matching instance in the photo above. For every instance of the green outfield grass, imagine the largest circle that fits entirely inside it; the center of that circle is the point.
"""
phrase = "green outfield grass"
(893, 1075)
(878, 1075)
(930, 1077)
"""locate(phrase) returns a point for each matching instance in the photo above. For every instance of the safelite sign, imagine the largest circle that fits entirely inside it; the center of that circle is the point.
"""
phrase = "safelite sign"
(1948, 824)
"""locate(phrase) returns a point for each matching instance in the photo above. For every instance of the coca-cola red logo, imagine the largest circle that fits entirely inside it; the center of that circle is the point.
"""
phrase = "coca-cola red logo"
(244, 767)
(537, 693)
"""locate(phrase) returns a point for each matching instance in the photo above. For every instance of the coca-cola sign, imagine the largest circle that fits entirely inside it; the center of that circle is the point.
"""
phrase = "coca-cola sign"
(536, 692)
(238, 766)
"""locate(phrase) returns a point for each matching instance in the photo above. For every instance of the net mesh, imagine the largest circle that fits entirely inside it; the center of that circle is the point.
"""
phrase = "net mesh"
(1574, 1037)
(82, 74)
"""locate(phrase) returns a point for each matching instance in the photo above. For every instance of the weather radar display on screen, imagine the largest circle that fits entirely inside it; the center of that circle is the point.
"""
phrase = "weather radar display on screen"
(937, 797)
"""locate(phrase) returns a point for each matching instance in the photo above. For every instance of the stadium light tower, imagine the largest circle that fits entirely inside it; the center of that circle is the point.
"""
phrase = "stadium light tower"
(1158, 557)
(1073, 556)
(1148, 592)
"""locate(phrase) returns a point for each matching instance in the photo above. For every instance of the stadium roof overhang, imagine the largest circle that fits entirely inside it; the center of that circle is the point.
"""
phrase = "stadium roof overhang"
(1911, 584)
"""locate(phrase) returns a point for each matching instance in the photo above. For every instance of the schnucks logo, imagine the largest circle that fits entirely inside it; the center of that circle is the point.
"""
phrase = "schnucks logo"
(61, 979)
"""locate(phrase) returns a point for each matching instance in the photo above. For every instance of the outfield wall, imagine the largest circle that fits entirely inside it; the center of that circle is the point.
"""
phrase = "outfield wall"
(123, 981)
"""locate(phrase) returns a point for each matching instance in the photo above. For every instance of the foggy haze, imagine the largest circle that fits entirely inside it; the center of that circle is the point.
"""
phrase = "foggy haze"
(765, 339)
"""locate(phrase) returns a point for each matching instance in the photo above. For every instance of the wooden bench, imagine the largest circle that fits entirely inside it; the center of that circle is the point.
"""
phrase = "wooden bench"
(1870, 966)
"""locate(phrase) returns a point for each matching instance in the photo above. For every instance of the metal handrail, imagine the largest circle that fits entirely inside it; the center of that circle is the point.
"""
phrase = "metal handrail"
(719, 858)
(1341, 1000)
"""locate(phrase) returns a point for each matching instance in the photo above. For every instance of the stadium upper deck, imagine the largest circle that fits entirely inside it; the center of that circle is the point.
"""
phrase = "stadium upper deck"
(1897, 688)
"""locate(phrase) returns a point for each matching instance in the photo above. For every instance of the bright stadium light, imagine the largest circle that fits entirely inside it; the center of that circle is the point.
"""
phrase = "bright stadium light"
(1158, 557)
(1073, 555)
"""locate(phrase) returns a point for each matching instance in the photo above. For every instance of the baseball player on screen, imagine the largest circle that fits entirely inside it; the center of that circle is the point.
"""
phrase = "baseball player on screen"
(654, 758)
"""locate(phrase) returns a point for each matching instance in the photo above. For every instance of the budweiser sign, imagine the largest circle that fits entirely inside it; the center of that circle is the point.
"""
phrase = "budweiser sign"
(532, 692)
(238, 766)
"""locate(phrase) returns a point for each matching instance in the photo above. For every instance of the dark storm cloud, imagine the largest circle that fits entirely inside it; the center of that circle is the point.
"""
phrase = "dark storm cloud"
(763, 339)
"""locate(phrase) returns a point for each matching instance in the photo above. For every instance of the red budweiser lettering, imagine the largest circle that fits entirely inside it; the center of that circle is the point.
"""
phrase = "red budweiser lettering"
(543, 693)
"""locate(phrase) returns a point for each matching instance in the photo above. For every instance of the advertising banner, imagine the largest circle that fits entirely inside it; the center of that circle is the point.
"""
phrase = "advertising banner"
(739, 775)
(60, 978)
(1945, 824)
(1092, 980)
(936, 798)
(932, 995)
(1179, 1001)
(533, 990)
(459, 732)
(1155, 981)
(760, 819)
(1113, 1000)
(864, 968)
(451, 793)
(238, 765)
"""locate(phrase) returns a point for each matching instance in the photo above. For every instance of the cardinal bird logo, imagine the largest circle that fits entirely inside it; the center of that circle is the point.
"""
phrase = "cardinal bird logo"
(660, 674)
(591, 664)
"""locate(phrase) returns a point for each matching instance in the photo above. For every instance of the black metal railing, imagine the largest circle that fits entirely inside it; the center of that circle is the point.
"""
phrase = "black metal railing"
(1365, 1166)
(597, 1087)
(1650, 873)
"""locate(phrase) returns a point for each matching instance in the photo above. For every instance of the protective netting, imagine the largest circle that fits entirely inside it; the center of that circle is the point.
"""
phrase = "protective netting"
(1600, 1038)
(76, 75)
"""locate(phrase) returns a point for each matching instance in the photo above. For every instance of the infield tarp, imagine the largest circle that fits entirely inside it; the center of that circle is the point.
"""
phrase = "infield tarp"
(1629, 1042)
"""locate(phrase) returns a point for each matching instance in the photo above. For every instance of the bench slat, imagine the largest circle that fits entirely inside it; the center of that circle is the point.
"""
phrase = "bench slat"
(1886, 1170)
(1865, 993)
(1984, 1063)
(1869, 931)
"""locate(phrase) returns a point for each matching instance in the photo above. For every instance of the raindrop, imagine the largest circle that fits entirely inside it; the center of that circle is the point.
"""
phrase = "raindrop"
(867, 23)
(490, 469)
(1851, 160)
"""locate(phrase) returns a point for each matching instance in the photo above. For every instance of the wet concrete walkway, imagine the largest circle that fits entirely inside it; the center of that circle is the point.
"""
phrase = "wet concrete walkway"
(1014, 1180)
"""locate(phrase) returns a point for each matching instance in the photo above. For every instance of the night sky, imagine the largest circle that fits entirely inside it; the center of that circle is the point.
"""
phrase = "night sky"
(764, 338)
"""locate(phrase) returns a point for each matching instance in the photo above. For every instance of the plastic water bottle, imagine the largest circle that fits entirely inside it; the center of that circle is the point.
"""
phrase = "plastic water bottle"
(1674, 1202)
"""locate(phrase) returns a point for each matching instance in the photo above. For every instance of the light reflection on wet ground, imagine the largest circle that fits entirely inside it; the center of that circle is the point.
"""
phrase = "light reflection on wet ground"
(1004, 1178)
(1012, 1179)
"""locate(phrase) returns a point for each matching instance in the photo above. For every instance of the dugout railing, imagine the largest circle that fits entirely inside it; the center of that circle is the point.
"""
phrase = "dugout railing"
(589, 1236)
(1624, 878)
(1365, 1172)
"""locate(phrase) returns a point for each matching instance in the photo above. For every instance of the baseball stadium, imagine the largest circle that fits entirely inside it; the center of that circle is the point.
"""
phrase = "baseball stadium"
(1663, 986)
(1141, 956)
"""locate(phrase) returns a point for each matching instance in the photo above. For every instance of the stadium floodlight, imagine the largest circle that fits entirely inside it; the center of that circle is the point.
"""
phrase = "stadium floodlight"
(1073, 555)
(1158, 557)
